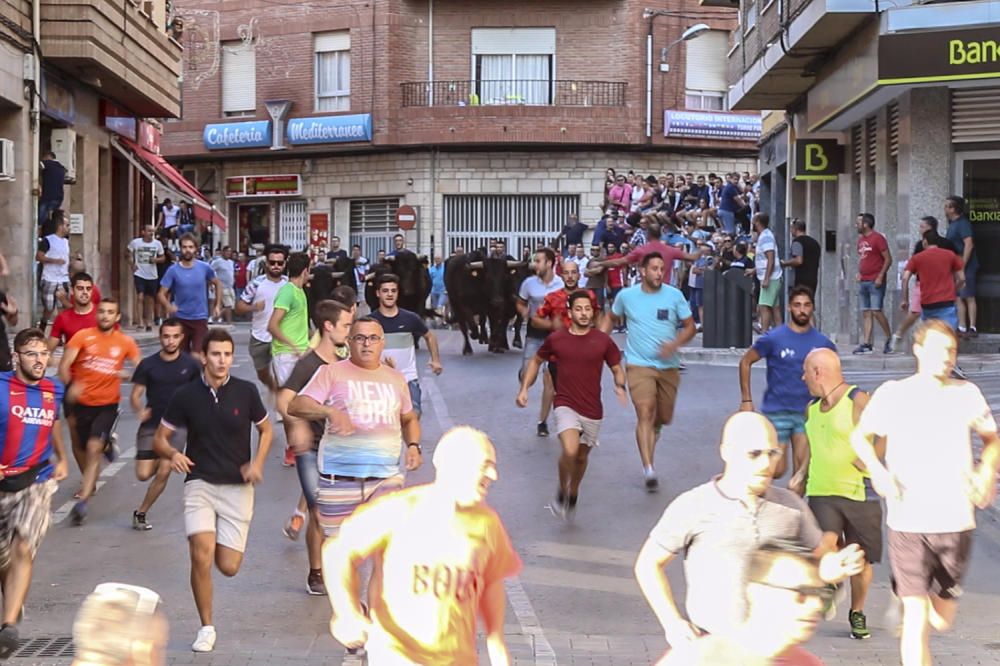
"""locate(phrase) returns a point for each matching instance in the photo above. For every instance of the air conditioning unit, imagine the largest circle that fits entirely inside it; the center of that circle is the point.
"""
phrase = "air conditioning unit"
(64, 147)
(6, 160)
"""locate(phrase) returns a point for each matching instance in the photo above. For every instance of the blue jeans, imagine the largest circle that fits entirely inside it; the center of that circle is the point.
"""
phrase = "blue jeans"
(307, 467)
(946, 313)
(45, 209)
(728, 218)
(414, 387)
(871, 296)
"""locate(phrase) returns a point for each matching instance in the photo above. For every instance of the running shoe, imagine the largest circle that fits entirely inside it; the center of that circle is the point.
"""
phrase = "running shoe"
(139, 522)
(111, 450)
(887, 349)
(570, 508)
(78, 514)
(863, 349)
(314, 584)
(558, 507)
(894, 344)
(652, 483)
(8, 640)
(859, 625)
(289, 460)
(543, 429)
(205, 640)
(293, 527)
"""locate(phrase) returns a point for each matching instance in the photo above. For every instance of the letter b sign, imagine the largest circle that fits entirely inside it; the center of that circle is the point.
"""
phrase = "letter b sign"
(818, 159)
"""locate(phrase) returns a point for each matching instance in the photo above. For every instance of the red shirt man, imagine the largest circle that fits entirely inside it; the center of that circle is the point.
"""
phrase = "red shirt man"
(870, 249)
(937, 269)
(668, 252)
(556, 304)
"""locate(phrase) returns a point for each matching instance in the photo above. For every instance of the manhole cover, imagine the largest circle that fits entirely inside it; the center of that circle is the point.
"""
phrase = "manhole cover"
(57, 646)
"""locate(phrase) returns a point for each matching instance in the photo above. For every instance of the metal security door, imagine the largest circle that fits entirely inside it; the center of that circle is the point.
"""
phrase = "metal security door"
(373, 224)
(523, 222)
(293, 225)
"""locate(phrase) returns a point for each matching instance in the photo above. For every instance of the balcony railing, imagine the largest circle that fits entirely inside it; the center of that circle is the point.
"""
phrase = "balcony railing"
(533, 92)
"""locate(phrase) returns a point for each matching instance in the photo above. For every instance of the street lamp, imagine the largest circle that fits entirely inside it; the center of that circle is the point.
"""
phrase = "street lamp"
(694, 31)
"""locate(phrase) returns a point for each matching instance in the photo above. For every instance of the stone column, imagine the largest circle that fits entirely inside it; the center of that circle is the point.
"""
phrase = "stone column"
(925, 163)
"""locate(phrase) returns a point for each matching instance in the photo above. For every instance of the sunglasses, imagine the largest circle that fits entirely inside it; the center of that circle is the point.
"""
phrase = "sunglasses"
(275, 263)
(805, 592)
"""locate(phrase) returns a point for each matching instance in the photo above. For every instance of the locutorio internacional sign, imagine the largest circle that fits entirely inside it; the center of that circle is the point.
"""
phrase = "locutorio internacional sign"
(300, 132)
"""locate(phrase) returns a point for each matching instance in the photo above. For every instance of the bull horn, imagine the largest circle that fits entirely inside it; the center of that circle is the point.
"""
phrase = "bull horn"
(337, 274)
(475, 265)
(390, 258)
(516, 264)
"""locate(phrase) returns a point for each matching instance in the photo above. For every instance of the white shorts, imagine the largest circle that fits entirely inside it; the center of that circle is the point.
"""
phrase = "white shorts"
(568, 419)
(223, 509)
(228, 297)
(282, 366)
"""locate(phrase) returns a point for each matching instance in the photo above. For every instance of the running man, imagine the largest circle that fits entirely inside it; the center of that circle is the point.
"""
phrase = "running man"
(553, 314)
(91, 369)
(30, 437)
(304, 437)
(530, 297)
(188, 281)
(53, 257)
(217, 411)
(144, 253)
(785, 348)
(402, 331)
(929, 481)
(838, 491)
(289, 327)
(157, 378)
(716, 526)
(444, 557)
(582, 352)
(82, 314)
(368, 414)
(258, 299)
(659, 323)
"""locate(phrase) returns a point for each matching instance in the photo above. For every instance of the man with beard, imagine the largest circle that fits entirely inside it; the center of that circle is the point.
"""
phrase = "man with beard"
(582, 353)
(158, 377)
(258, 299)
(187, 281)
(82, 315)
(787, 395)
(929, 481)
(30, 435)
(444, 555)
(553, 313)
(91, 369)
(530, 296)
(716, 526)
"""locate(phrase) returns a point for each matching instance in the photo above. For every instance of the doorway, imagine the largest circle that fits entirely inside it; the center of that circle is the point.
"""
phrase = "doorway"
(255, 225)
(977, 179)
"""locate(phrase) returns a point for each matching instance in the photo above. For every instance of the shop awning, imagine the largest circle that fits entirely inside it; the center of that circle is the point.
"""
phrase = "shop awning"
(159, 170)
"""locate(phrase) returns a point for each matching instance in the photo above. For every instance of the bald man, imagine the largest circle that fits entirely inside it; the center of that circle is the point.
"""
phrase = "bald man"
(717, 525)
(838, 489)
(444, 556)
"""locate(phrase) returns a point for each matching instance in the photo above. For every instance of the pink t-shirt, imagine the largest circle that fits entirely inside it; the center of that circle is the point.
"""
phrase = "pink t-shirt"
(375, 400)
(668, 252)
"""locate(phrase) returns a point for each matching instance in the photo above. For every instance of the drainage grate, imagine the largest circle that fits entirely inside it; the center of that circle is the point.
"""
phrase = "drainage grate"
(51, 646)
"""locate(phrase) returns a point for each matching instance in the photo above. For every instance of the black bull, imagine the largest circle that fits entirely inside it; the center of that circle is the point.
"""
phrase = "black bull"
(484, 290)
(328, 276)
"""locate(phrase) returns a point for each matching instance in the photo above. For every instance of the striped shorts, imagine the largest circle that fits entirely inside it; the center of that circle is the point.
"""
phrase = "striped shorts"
(27, 514)
(336, 499)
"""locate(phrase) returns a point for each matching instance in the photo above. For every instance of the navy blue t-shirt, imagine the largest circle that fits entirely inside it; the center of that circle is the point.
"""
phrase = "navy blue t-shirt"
(785, 352)
(726, 200)
(161, 379)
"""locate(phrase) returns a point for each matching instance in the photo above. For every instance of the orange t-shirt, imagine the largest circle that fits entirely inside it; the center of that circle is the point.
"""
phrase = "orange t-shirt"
(98, 365)
(435, 569)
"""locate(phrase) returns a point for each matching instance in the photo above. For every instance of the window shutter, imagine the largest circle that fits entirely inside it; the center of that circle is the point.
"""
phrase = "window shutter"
(239, 78)
(857, 149)
(706, 61)
(975, 115)
(332, 41)
(894, 131)
(871, 142)
(513, 41)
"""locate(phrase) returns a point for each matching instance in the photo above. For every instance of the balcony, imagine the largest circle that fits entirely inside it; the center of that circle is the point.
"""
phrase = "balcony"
(513, 93)
(116, 47)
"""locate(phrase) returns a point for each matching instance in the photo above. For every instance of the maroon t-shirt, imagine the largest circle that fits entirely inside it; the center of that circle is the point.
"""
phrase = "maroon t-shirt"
(668, 252)
(935, 268)
(870, 249)
(580, 359)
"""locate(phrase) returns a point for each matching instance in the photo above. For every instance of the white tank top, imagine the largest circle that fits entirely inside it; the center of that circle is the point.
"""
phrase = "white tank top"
(58, 249)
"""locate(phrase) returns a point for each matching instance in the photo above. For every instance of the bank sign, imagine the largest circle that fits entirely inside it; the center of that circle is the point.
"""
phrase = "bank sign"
(818, 159)
(944, 55)
(255, 134)
(330, 129)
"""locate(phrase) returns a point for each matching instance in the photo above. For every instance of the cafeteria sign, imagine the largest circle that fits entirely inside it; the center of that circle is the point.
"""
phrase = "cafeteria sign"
(263, 186)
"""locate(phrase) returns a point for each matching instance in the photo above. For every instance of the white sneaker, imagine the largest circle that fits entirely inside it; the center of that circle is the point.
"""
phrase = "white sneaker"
(205, 640)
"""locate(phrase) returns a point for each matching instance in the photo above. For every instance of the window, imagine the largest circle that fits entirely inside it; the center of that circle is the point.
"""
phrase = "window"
(751, 20)
(513, 65)
(333, 70)
(705, 73)
(373, 224)
(239, 79)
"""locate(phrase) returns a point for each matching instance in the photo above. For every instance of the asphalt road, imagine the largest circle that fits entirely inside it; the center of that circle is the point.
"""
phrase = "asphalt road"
(575, 602)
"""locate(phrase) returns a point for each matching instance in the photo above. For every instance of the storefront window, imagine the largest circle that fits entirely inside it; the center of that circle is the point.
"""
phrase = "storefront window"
(981, 189)
(255, 221)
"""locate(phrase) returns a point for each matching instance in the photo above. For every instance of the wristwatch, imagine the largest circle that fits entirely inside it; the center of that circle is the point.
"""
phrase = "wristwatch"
(417, 445)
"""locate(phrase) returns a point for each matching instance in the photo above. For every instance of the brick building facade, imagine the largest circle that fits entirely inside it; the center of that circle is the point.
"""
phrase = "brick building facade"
(488, 118)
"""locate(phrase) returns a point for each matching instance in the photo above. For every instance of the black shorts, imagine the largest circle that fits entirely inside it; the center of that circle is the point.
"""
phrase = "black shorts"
(145, 286)
(858, 522)
(925, 564)
(95, 422)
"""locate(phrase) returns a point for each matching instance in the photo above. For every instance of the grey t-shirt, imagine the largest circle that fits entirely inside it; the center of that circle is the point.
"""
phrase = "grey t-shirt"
(716, 535)
(533, 291)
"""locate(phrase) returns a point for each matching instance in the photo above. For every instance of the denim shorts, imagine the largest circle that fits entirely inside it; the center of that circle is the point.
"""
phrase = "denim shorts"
(946, 313)
(307, 467)
(871, 296)
(969, 289)
(415, 395)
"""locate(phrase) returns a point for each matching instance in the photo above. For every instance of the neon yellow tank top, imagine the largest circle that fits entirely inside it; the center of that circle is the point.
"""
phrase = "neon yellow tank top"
(831, 458)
